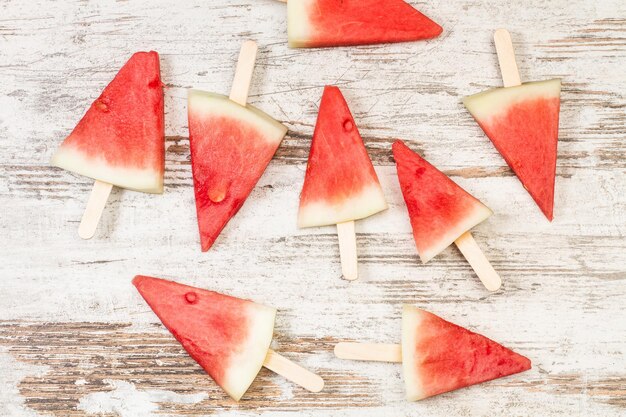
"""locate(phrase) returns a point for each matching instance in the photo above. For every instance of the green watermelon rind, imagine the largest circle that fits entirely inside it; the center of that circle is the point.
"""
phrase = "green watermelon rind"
(298, 31)
(365, 203)
(477, 216)
(217, 104)
(142, 180)
(412, 384)
(251, 360)
(495, 101)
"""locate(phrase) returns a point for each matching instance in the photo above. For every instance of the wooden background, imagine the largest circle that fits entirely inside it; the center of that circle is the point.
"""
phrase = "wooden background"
(75, 337)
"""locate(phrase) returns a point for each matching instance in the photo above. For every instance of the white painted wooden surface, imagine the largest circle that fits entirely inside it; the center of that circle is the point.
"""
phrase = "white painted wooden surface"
(76, 339)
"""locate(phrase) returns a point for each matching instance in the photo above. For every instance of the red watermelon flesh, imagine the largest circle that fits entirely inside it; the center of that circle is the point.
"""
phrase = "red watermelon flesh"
(229, 337)
(319, 23)
(231, 145)
(523, 124)
(439, 356)
(120, 140)
(340, 183)
(440, 210)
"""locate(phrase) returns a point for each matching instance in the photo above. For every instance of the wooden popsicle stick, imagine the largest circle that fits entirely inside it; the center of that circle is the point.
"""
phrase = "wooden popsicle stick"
(466, 243)
(243, 73)
(506, 58)
(378, 352)
(347, 250)
(293, 372)
(476, 258)
(95, 206)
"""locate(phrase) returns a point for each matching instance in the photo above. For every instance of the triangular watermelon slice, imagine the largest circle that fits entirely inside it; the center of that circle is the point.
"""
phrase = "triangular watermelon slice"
(523, 124)
(229, 337)
(439, 356)
(319, 23)
(231, 145)
(340, 184)
(439, 209)
(120, 140)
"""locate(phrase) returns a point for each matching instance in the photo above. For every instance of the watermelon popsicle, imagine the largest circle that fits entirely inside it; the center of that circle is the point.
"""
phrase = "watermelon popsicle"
(231, 145)
(120, 140)
(340, 185)
(322, 23)
(228, 337)
(441, 213)
(522, 121)
(438, 356)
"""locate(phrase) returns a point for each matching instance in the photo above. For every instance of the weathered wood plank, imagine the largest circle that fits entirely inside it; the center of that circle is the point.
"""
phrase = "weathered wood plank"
(98, 354)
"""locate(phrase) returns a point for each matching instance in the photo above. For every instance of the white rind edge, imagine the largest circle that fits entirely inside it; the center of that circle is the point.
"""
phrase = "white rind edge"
(205, 103)
(298, 25)
(491, 103)
(478, 215)
(144, 180)
(364, 204)
(246, 364)
(411, 320)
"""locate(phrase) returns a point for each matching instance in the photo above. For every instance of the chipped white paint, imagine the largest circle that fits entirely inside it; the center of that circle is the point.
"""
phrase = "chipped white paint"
(12, 372)
(286, 389)
(125, 400)
(564, 283)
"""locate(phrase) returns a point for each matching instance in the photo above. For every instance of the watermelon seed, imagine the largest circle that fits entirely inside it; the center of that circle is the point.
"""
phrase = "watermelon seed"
(217, 196)
(102, 106)
(191, 297)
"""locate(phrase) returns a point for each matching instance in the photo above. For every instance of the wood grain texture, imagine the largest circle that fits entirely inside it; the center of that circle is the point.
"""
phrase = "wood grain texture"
(75, 338)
